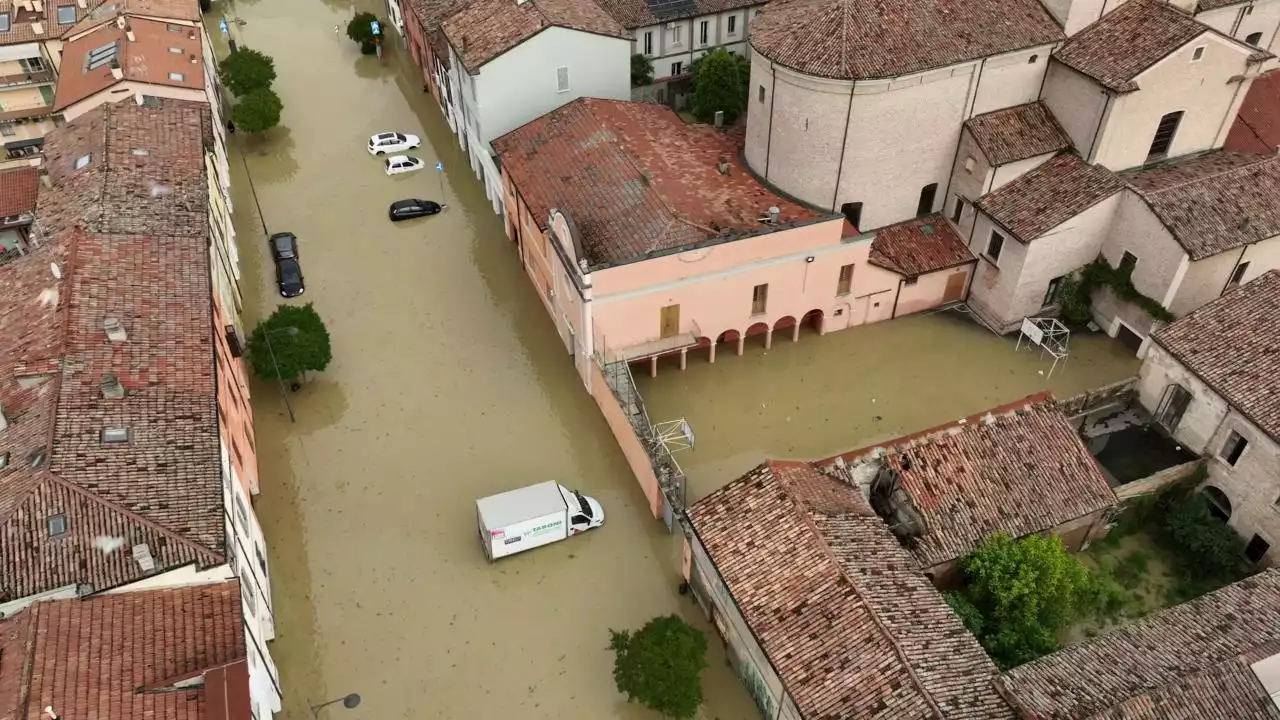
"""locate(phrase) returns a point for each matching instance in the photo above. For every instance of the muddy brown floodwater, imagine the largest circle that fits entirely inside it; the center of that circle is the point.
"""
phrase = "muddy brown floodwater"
(448, 383)
(825, 395)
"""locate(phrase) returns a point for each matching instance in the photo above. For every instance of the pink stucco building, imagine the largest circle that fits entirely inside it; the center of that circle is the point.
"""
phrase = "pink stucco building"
(647, 236)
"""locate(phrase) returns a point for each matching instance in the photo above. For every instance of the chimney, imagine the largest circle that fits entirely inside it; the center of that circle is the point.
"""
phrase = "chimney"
(719, 118)
(773, 215)
(117, 73)
(37, 6)
(121, 22)
(128, 34)
(194, 59)
(82, 4)
(37, 28)
(137, 98)
(52, 715)
(111, 387)
(115, 331)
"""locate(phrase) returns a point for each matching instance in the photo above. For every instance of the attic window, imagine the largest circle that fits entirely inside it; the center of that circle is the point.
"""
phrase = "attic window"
(66, 14)
(4, 22)
(115, 435)
(4, 460)
(1032, 60)
(1254, 39)
(57, 525)
(140, 152)
(36, 458)
(82, 162)
(175, 51)
(177, 77)
(1197, 54)
(173, 28)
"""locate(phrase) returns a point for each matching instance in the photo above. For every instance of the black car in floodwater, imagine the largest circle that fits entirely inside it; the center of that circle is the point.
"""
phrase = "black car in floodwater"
(284, 251)
(411, 208)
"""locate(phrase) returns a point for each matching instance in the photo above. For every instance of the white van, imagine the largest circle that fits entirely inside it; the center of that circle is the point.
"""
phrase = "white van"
(534, 516)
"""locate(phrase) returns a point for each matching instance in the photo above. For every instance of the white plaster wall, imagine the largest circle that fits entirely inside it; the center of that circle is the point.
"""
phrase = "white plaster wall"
(968, 184)
(1077, 102)
(1138, 231)
(1012, 171)
(1206, 279)
(1011, 79)
(1201, 89)
(665, 51)
(1242, 20)
(520, 85)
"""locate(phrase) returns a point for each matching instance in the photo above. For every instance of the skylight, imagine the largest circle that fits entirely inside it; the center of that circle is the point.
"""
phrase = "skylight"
(101, 55)
(115, 435)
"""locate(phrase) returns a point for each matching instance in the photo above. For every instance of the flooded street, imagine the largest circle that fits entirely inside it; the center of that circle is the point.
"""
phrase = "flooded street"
(826, 395)
(448, 383)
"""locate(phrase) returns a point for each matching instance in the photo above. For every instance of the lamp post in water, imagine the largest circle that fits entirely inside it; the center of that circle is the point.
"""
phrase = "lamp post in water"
(290, 330)
(348, 702)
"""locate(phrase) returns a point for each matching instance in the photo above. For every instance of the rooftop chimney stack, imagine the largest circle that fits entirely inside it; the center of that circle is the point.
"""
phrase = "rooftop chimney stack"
(194, 59)
(719, 118)
(112, 388)
(115, 331)
(773, 215)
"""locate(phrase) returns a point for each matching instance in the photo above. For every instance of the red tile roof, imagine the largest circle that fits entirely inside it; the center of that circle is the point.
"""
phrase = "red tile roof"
(119, 255)
(430, 14)
(853, 629)
(119, 656)
(23, 23)
(1050, 195)
(634, 14)
(188, 10)
(147, 59)
(1215, 201)
(1233, 345)
(481, 30)
(866, 39)
(919, 246)
(1123, 44)
(1257, 126)
(638, 180)
(1190, 661)
(1017, 133)
(18, 191)
(1016, 469)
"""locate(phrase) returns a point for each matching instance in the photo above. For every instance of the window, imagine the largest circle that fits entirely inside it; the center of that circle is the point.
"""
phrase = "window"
(677, 68)
(675, 35)
(177, 77)
(1173, 405)
(994, 246)
(248, 593)
(969, 162)
(759, 299)
(853, 213)
(6, 129)
(4, 22)
(648, 43)
(703, 27)
(1237, 275)
(1128, 261)
(241, 514)
(958, 210)
(1197, 54)
(66, 14)
(1253, 38)
(1256, 549)
(760, 94)
(562, 79)
(1233, 448)
(57, 525)
(1165, 131)
(926, 199)
(262, 559)
(733, 24)
(32, 64)
(845, 283)
(115, 435)
(1052, 292)
(910, 281)
(1032, 60)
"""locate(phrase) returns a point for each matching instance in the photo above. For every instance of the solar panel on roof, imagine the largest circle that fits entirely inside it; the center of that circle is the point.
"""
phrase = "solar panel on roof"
(100, 56)
(663, 9)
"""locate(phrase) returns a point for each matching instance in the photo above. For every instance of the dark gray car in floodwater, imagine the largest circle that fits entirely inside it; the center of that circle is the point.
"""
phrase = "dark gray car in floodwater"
(412, 208)
(284, 252)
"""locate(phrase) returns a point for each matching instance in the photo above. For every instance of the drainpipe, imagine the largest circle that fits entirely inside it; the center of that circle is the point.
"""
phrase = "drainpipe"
(894, 313)
(991, 180)
(588, 329)
(973, 91)
(773, 104)
(1222, 126)
(1234, 267)
(835, 192)
(1097, 132)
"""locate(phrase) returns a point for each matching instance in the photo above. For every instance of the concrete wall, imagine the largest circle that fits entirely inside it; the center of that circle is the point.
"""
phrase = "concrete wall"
(1005, 292)
(632, 448)
(928, 290)
(520, 85)
(1206, 279)
(971, 178)
(1253, 484)
(665, 52)
(876, 142)
(1156, 482)
(1200, 88)
(1160, 263)
(1078, 103)
(126, 90)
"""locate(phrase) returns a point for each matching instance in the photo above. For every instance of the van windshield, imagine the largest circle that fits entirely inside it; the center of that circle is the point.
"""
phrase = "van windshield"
(582, 504)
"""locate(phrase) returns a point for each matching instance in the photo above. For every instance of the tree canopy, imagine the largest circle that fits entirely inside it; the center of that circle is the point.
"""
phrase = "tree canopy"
(258, 111)
(246, 70)
(360, 30)
(641, 70)
(720, 80)
(298, 342)
(660, 665)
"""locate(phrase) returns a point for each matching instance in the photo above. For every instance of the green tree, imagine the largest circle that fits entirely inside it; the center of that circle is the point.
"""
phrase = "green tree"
(360, 30)
(258, 111)
(718, 86)
(641, 70)
(246, 70)
(1026, 591)
(294, 339)
(660, 665)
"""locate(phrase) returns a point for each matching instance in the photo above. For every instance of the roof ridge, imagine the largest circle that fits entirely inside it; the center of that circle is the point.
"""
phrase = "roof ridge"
(806, 518)
(1262, 159)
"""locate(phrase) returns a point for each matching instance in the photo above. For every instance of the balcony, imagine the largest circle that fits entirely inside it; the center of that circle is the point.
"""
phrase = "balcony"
(30, 78)
(8, 114)
(660, 345)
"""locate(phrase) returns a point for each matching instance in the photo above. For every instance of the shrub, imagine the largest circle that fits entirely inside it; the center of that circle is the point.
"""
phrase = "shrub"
(246, 70)
(258, 111)
(660, 665)
(641, 70)
(718, 86)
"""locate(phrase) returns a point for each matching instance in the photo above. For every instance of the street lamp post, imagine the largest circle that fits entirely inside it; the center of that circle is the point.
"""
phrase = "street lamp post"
(280, 377)
(348, 702)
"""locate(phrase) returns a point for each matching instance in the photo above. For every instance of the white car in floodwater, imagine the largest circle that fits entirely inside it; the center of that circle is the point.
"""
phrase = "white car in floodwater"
(397, 164)
(389, 142)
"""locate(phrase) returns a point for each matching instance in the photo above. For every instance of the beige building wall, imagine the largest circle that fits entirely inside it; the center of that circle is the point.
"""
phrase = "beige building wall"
(1014, 286)
(971, 178)
(1252, 485)
(1207, 279)
(126, 91)
(1078, 103)
(1244, 19)
(25, 98)
(1202, 89)
(1009, 172)
(1011, 79)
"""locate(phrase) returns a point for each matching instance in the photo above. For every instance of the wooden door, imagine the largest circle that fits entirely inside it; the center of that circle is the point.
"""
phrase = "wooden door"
(955, 287)
(669, 321)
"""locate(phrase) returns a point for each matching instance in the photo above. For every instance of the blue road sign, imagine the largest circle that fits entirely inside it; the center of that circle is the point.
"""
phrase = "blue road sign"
(222, 25)
(440, 166)
(377, 28)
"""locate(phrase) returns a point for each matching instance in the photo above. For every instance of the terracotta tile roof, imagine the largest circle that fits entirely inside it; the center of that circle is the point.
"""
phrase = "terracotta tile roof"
(866, 39)
(1017, 133)
(1213, 202)
(852, 627)
(637, 180)
(1257, 126)
(633, 14)
(188, 10)
(1017, 469)
(1192, 655)
(18, 191)
(23, 23)
(1050, 195)
(919, 246)
(163, 488)
(481, 30)
(149, 59)
(118, 656)
(1207, 5)
(1119, 47)
(1233, 345)
(431, 14)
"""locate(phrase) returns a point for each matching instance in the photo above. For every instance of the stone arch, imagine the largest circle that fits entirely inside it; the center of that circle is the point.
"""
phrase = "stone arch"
(758, 334)
(728, 336)
(814, 319)
(785, 321)
(1219, 503)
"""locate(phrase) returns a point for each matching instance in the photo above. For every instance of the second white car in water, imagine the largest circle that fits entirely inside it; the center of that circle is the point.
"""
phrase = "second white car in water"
(397, 164)
(389, 142)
